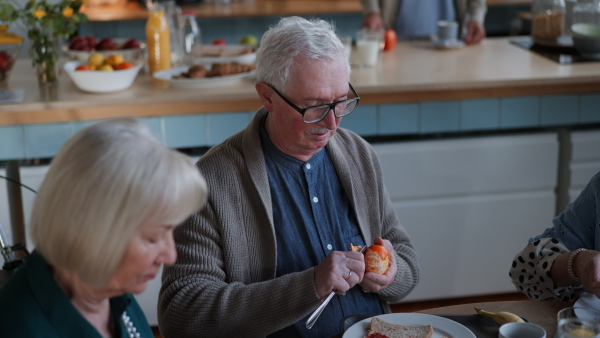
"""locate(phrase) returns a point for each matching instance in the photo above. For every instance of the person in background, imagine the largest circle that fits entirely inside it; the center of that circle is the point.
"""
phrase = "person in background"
(288, 195)
(417, 19)
(566, 256)
(102, 223)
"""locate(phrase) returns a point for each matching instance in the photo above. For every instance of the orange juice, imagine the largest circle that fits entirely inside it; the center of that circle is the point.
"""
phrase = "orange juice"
(158, 39)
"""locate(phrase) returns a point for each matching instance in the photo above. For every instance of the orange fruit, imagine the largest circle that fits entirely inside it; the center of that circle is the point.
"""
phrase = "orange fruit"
(377, 259)
(124, 65)
(83, 67)
(106, 68)
(114, 60)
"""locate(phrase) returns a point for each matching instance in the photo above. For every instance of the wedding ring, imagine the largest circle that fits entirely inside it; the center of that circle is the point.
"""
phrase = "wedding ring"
(349, 275)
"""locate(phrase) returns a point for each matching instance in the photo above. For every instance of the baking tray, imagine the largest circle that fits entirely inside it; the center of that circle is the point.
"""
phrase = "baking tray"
(481, 326)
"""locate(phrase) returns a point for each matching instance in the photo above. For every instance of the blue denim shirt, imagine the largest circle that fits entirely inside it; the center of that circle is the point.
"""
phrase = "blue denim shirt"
(310, 206)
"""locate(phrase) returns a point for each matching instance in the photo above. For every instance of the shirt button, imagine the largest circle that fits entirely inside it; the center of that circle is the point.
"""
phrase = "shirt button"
(329, 247)
(307, 165)
(315, 199)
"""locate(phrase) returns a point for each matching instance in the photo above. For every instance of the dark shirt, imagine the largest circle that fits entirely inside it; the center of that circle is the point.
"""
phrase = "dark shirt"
(310, 206)
(33, 305)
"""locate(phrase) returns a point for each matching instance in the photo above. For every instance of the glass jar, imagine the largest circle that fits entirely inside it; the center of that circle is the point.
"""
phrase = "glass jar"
(192, 38)
(586, 15)
(548, 19)
(158, 38)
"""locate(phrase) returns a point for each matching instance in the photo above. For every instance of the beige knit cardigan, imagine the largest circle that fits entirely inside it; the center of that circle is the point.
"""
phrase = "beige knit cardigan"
(223, 283)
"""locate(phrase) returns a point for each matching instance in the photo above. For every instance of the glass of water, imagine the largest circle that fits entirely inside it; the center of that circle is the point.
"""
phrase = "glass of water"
(576, 322)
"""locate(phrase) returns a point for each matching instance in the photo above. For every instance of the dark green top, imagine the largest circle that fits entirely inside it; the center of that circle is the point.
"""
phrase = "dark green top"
(33, 305)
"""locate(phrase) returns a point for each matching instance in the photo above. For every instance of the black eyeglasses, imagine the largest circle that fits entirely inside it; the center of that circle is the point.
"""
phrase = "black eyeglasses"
(317, 113)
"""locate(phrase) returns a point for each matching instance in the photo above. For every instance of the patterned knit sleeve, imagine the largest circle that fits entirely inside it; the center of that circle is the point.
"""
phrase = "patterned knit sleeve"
(530, 271)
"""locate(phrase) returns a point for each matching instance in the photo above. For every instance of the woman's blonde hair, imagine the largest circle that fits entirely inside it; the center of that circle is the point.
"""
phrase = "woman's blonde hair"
(102, 185)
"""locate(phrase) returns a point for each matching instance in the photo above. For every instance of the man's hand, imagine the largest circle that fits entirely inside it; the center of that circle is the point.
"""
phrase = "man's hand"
(374, 282)
(587, 268)
(339, 272)
(373, 21)
(475, 32)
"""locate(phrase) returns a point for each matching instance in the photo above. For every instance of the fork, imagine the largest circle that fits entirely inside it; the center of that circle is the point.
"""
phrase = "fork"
(315, 315)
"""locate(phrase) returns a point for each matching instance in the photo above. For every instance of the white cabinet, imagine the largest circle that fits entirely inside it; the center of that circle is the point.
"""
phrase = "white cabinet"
(469, 205)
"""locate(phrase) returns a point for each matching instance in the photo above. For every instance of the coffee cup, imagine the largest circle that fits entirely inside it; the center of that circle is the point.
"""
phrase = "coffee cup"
(447, 31)
(521, 330)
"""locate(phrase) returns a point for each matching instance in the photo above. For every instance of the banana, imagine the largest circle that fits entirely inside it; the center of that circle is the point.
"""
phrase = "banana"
(502, 317)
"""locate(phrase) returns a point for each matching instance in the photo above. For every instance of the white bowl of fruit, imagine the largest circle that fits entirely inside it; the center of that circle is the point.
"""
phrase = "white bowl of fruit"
(103, 75)
(80, 48)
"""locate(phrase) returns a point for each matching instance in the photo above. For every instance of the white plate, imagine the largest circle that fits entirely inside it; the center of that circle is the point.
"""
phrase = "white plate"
(167, 75)
(442, 327)
(439, 44)
(588, 300)
(227, 51)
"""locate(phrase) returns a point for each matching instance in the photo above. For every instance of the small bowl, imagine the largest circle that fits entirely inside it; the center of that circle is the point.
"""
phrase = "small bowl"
(130, 55)
(95, 81)
(585, 30)
(587, 47)
(8, 56)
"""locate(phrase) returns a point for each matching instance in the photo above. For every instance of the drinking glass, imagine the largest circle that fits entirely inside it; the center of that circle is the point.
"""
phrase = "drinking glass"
(575, 322)
(347, 42)
(369, 44)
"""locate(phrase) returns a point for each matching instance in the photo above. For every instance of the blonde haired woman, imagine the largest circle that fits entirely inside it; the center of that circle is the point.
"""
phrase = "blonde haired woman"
(102, 224)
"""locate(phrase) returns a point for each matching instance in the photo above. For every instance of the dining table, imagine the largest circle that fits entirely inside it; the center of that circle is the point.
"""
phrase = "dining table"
(542, 313)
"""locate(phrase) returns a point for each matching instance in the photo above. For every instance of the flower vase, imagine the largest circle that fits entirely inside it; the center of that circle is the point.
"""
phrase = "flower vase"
(44, 54)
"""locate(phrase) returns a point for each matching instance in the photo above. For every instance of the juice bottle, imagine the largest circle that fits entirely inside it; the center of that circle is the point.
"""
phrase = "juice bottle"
(158, 39)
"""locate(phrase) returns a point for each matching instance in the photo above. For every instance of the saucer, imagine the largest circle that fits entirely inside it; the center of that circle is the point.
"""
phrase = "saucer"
(447, 44)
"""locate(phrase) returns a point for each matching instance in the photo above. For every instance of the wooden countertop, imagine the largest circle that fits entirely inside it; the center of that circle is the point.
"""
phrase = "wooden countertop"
(134, 11)
(413, 72)
(250, 8)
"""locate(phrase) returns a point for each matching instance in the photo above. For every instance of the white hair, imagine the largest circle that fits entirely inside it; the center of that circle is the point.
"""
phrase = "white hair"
(293, 37)
(104, 183)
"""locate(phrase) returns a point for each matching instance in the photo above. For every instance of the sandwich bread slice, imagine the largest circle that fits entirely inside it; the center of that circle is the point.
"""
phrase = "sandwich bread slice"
(379, 326)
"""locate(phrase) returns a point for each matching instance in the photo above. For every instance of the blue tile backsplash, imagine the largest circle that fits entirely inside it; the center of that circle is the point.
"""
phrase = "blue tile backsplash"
(420, 118)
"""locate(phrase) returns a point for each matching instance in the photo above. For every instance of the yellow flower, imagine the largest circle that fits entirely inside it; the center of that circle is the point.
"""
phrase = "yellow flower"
(39, 13)
(67, 12)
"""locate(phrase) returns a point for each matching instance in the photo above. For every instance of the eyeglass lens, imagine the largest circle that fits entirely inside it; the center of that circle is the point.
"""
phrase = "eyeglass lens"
(341, 109)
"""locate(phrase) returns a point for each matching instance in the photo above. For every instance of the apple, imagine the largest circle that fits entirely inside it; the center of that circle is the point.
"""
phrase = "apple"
(390, 39)
(131, 43)
(218, 42)
(79, 43)
(106, 44)
(249, 40)
(91, 41)
(5, 61)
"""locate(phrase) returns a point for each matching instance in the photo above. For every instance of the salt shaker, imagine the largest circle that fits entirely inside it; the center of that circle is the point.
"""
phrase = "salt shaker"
(191, 37)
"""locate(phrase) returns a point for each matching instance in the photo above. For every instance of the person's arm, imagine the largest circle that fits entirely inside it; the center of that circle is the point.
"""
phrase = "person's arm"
(206, 293)
(476, 10)
(388, 227)
(371, 14)
(540, 269)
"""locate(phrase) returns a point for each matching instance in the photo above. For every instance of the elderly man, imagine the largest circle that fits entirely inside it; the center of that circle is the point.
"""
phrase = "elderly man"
(417, 19)
(287, 197)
